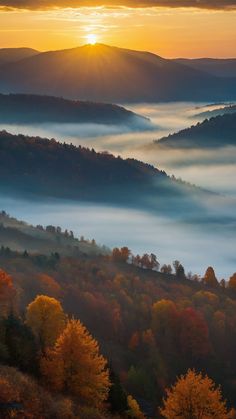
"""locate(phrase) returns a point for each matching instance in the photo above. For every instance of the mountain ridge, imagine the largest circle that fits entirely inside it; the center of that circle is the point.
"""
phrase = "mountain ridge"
(22, 108)
(112, 74)
(217, 131)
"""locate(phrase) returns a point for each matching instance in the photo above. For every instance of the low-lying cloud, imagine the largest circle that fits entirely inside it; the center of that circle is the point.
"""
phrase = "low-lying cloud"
(47, 4)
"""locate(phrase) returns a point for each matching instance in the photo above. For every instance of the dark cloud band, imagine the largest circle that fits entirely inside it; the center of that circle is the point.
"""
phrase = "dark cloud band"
(46, 4)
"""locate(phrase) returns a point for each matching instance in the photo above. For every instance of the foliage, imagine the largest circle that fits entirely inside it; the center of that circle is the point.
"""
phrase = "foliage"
(7, 293)
(75, 366)
(46, 318)
(134, 409)
(152, 326)
(192, 397)
(34, 401)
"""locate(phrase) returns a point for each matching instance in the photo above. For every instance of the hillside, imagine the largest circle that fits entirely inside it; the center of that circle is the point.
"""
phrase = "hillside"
(20, 236)
(53, 169)
(12, 55)
(218, 131)
(28, 109)
(152, 325)
(229, 109)
(215, 66)
(110, 74)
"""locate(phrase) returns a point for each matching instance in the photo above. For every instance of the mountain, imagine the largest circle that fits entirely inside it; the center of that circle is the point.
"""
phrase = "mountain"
(218, 131)
(38, 109)
(216, 112)
(41, 168)
(20, 236)
(215, 66)
(12, 55)
(151, 325)
(111, 74)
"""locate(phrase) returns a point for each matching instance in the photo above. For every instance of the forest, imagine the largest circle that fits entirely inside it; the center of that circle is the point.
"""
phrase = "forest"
(42, 109)
(139, 327)
(217, 131)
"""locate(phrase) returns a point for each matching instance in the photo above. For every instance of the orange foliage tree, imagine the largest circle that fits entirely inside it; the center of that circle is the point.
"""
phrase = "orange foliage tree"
(7, 293)
(46, 318)
(134, 409)
(75, 366)
(232, 282)
(210, 278)
(192, 397)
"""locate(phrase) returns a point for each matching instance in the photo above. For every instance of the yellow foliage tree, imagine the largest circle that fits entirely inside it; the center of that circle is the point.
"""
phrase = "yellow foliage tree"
(46, 318)
(75, 366)
(134, 409)
(192, 397)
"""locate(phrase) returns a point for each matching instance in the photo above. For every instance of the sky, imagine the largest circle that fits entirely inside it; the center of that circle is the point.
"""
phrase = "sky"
(170, 28)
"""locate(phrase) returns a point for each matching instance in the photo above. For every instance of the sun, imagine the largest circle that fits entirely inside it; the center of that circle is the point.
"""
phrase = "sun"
(91, 38)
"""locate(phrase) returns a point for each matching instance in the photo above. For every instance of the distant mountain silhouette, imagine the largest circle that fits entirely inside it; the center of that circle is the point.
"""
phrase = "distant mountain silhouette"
(215, 112)
(218, 131)
(38, 109)
(215, 66)
(11, 55)
(110, 74)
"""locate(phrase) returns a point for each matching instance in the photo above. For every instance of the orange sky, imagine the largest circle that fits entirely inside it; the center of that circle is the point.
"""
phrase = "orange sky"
(169, 32)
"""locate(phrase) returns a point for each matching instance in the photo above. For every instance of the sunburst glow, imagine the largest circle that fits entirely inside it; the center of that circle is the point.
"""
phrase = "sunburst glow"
(91, 38)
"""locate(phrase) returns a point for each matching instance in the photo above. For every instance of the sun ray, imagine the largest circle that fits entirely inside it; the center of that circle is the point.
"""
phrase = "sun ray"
(91, 38)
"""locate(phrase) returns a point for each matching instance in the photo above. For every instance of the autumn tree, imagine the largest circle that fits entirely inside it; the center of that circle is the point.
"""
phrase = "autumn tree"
(49, 286)
(164, 324)
(193, 334)
(209, 278)
(232, 282)
(166, 269)
(194, 396)
(134, 409)
(7, 293)
(46, 318)
(121, 255)
(75, 366)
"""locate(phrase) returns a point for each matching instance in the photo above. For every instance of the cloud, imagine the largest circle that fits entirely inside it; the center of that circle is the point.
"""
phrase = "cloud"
(47, 4)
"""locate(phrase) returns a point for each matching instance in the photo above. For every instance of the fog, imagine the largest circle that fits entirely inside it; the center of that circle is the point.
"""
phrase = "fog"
(214, 169)
(197, 243)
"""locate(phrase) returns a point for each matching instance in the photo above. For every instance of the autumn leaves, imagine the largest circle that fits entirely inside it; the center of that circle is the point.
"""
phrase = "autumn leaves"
(70, 360)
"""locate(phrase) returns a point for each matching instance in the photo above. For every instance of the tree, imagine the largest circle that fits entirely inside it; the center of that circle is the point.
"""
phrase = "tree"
(46, 318)
(180, 273)
(193, 334)
(164, 322)
(20, 343)
(194, 396)
(209, 278)
(176, 264)
(232, 282)
(134, 409)
(7, 293)
(121, 255)
(75, 366)
(154, 262)
(117, 395)
(166, 269)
